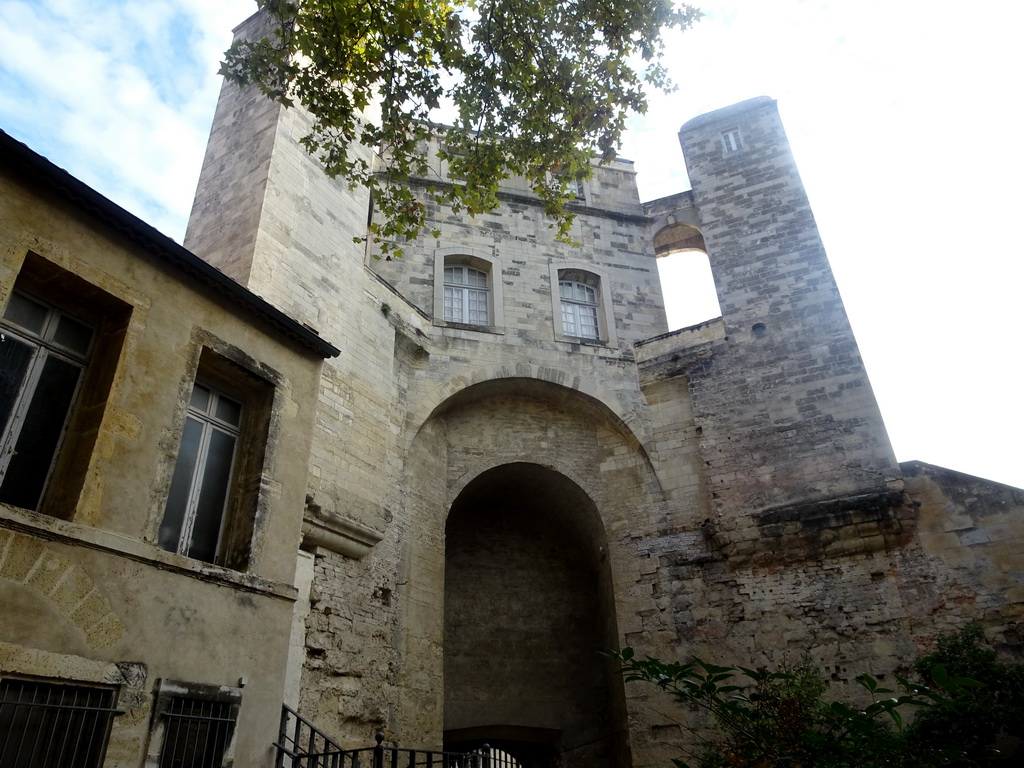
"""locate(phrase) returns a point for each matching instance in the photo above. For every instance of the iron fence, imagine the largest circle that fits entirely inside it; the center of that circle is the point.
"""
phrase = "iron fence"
(301, 745)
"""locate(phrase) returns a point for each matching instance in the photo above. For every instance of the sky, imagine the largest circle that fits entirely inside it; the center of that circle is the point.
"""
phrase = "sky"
(903, 116)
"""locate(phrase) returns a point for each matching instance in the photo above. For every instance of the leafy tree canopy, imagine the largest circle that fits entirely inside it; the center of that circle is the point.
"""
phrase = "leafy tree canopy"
(530, 88)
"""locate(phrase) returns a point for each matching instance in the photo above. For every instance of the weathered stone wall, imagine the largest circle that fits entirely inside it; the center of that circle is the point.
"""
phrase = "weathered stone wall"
(744, 493)
(87, 594)
(784, 404)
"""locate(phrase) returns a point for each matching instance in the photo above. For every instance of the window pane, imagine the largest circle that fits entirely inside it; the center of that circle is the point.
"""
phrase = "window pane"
(453, 304)
(181, 485)
(227, 410)
(454, 275)
(26, 312)
(588, 322)
(200, 398)
(569, 319)
(476, 278)
(216, 475)
(478, 307)
(15, 357)
(73, 335)
(40, 434)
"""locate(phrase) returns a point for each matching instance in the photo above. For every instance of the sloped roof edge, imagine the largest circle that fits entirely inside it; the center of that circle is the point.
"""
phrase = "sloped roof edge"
(21, 160)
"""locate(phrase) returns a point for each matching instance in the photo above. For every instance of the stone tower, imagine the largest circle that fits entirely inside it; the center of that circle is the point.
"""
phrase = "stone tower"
(515, 466)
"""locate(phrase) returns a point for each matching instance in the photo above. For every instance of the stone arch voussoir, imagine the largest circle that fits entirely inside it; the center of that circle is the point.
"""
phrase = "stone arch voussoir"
(630, 420)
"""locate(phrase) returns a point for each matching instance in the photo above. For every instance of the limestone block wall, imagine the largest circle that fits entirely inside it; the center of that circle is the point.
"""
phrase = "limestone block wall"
(742, 484)
(783, 401)
(956, 560)
(516, 244)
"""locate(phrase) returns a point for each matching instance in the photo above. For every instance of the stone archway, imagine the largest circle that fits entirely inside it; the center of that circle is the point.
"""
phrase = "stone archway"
(528, 609)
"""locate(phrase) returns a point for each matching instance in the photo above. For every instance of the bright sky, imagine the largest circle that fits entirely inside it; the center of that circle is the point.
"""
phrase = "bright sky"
(901, 115)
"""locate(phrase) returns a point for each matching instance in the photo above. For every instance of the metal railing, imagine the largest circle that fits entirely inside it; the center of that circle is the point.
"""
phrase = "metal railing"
(301, 744)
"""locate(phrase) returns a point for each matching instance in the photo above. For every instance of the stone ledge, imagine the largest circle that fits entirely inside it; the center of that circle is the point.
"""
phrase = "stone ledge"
(75, 534)
(332, 532)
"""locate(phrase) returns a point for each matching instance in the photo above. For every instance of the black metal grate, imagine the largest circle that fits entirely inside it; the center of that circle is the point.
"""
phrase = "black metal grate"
(197, 733)
(48, 725)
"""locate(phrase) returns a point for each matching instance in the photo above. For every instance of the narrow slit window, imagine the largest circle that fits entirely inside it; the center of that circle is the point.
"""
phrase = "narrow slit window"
(731, 140)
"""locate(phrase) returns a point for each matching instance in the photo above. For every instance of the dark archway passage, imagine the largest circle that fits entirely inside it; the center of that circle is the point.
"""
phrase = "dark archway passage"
(527, 611)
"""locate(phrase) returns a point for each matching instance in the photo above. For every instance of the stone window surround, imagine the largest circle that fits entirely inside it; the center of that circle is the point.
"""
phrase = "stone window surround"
(221, 365)
(75, 296)
(602, 282)
(42, 346)
(168, 690)
(476, 259)
(731, 140)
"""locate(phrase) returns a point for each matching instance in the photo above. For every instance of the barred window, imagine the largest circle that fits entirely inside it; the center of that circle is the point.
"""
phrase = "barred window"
(49, 725)
(196, 733)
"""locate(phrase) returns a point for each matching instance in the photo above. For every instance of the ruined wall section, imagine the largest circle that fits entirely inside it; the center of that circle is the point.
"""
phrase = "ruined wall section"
(783, 403)
(869, 610)
(974, 529)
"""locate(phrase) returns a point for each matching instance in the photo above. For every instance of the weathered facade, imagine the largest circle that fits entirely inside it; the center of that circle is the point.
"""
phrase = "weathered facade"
(106, 605)
(512, 465)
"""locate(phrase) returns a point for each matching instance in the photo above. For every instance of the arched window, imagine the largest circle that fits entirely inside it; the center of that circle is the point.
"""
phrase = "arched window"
(579, 309)
(466, 295)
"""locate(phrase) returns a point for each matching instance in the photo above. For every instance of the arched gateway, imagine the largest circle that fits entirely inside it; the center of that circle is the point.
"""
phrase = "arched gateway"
(527, 614)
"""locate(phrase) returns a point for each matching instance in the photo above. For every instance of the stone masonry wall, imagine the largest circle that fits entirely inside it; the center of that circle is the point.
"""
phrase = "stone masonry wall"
(783, 403)
(752, 508)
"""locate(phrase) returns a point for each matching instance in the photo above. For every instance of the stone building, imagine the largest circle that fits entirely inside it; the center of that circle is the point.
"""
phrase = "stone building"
(511, 465)
(139, 387)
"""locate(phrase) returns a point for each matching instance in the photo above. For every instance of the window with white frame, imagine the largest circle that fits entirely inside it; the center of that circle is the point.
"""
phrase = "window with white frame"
(214, 500)
(44, 352)
(466, 295)
(193, 523)
(731, 140)
(579, 309)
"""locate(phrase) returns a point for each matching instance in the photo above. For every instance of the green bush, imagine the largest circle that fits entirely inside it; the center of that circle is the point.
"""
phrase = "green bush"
(782, 719)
